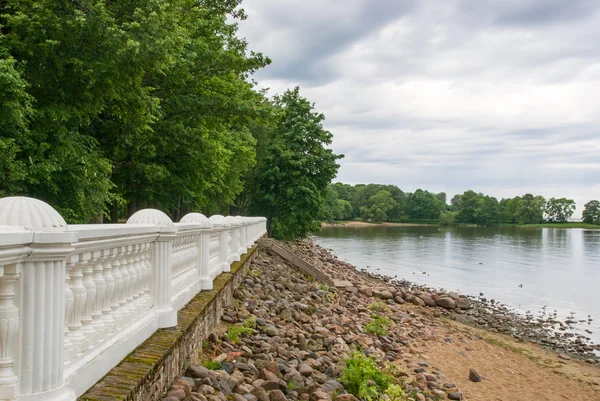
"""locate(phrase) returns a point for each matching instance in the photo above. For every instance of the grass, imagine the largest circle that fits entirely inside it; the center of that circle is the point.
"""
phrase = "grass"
(378, 326)
(362, 377)
(211, 365)
(559, 225)
(235, 331)
(379, 307)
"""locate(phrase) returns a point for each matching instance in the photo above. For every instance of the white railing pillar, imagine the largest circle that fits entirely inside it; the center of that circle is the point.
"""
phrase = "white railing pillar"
(234, 254)
(162, 264)
(203, 222)
(9, 331)
(40, 285)
(222, 226)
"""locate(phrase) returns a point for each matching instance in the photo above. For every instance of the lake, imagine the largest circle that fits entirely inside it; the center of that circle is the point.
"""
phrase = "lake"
(557, 268)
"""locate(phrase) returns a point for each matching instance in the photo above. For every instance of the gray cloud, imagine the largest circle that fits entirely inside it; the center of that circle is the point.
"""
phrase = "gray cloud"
(499, 96)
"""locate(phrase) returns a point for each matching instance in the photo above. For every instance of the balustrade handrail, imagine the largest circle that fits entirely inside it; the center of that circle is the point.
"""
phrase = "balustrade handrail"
(76, 299)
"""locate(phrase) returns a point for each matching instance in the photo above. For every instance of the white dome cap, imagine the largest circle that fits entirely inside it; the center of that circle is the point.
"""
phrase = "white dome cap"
(30, 213)
(196, 218)
(150, 216)
(218, 220)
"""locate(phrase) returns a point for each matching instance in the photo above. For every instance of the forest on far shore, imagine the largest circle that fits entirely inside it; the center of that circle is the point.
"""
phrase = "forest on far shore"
(388, 203)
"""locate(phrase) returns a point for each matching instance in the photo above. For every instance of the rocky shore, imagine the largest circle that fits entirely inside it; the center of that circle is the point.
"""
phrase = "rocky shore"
(288, 337)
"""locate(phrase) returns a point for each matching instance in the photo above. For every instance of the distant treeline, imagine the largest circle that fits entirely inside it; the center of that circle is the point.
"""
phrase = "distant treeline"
(379, 203)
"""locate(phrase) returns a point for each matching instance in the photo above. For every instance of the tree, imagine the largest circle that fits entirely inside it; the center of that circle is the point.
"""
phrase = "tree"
(296, 170)
(559, 210)
(423, 205)
(469, 202)
(591, 212)
(378, 206)
(487, 211)
(531, 209)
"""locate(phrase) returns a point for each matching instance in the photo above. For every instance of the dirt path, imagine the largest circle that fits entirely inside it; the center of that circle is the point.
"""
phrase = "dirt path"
(512, 370)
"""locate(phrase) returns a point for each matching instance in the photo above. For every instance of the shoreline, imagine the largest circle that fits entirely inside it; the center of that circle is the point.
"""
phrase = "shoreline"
(288, 337)
(390, 224)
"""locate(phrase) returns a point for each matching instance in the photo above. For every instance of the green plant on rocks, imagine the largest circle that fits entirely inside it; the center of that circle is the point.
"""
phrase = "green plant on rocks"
(250, 322)
(323, 287)
(378, 326)
(379, 307)
(211, 365)
(234, 332)
(362, 377)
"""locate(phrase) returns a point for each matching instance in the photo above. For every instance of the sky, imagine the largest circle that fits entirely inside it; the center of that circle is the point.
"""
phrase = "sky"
(498, 96)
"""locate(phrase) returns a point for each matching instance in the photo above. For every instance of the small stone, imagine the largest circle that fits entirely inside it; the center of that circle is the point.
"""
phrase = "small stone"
(386, 295)
(474, 376)
(277, 395)
(260, 394)
(563, 356)
(305, 370)
(250, 397)
(271, 331)
(178, 393)
(455, 395)
(171, 398)
(319, 395)
(197, 372)
(270, 385)
(206, 389)
(447, 303)
(346, 397)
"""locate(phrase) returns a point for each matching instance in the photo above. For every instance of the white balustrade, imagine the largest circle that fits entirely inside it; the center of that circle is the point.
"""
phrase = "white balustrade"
(76, 299)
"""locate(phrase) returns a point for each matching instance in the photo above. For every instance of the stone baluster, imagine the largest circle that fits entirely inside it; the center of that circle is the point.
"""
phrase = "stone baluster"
(100, 285)
(107, 316)
(76, 335)
(206, 282)
(135, 263)
(9, 331)
(162, 263)
(133, 274)
(145, 288)
(87, 269)
(70, 351)
(115, 305)
(126, 292)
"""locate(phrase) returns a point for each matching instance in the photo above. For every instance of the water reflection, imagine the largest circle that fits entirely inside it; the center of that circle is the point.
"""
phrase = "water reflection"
(559, 268)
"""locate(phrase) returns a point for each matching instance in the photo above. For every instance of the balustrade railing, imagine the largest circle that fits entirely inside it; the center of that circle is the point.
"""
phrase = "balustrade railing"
(76, 299)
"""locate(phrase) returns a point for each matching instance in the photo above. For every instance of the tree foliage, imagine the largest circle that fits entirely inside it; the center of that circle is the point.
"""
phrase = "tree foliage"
(591, 212)
(290, 182)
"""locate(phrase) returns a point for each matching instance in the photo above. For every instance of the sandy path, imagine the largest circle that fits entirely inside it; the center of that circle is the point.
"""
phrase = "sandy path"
(512, 370)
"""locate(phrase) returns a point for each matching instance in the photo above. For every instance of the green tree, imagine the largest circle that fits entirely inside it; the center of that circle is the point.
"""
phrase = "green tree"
(378, 206)
(487, 211)
(296, 170)
(448, 218)
(423, 205)
(559, 210)
(531, 209)
(467, 207)
(591, 212)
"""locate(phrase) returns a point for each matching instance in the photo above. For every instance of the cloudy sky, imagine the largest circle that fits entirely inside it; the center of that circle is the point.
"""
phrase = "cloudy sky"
(498, 96)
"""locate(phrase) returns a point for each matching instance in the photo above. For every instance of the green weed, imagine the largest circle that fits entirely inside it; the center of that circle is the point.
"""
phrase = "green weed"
(234, 332)
(378, 326)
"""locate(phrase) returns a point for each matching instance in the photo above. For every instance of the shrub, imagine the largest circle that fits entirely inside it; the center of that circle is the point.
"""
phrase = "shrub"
(379, 307)
(362, 377)
(234, 332)
(250, 322)
(378, 326)
(211, 365)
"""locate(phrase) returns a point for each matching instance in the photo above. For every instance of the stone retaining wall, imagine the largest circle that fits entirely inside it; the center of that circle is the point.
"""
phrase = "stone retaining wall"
(148, 371)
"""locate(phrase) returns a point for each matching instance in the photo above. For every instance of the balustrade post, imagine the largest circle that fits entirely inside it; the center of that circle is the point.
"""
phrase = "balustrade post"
(9, 331)
(162, 263)
(221, 224)
(43, 311)
(203, 247)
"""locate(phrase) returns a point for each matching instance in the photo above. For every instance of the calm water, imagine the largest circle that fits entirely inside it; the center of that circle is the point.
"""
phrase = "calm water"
(559, 268)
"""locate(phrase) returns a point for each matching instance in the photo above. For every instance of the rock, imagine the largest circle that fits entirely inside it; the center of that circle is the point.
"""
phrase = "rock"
(305, 370)
(250, 397)
(417, 301)
(319, 395)
(427, 300)
(271, 331)
(346, 397)
(196, 397)
(277, 395)
(447, 303)
(177, 393)
(260, 394)
(171, 398)
(474, 376)
(463, 303)
(237, 397)
(331, 386)
(206, 389)
(455, 395)
(386, 295)
(563, 356)
(270, 385)
(227, 367)
(197, 372)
